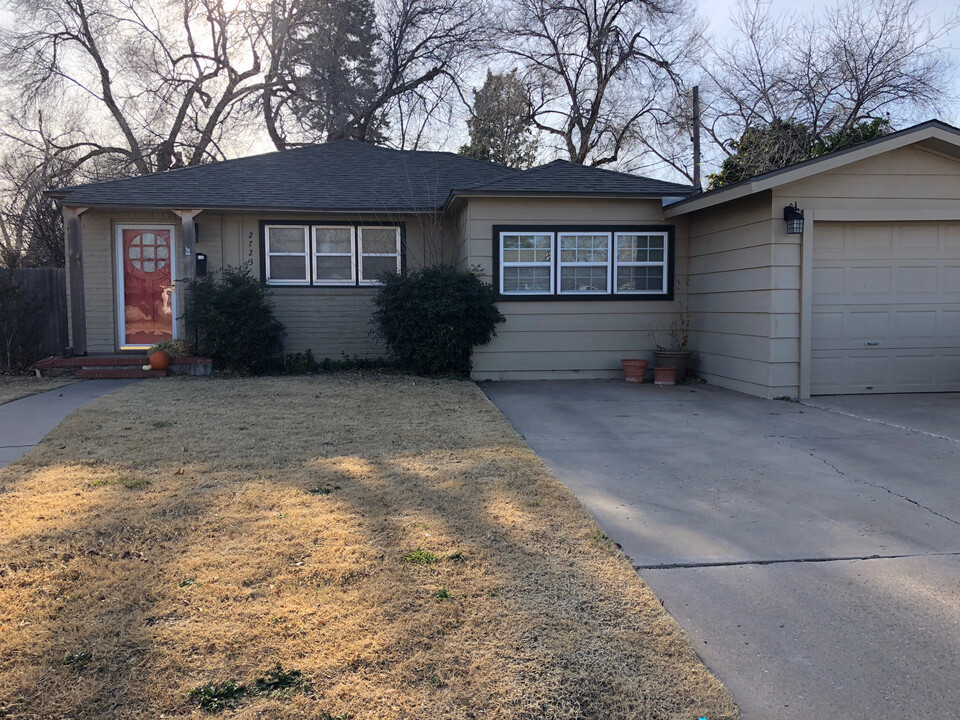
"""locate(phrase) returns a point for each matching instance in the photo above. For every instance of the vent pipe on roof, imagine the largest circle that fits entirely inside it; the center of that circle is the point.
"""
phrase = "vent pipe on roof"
(696, 137)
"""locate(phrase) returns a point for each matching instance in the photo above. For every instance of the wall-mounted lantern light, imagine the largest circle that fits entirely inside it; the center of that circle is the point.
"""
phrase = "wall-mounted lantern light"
(794, 219)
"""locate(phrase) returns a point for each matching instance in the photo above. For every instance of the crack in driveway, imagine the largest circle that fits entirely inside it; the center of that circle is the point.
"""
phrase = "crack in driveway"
(885, 489)
(782, 561)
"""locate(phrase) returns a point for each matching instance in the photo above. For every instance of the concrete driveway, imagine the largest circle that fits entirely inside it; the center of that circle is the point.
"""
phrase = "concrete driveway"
(811, 553)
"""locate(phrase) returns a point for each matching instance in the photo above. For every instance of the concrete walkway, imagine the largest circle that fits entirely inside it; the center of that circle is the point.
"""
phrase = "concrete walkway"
(811, 553)
(25, 422)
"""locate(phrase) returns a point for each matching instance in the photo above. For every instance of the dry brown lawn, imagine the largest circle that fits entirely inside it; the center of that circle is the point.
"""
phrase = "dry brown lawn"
(186, 531)
(14, 387)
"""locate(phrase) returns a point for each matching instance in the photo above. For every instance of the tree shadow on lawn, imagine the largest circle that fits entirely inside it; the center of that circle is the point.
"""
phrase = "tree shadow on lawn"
(294, 553)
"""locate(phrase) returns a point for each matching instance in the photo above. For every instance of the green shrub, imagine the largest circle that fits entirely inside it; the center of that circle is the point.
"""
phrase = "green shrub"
(173, 348)
(432, 318)
(231, 317)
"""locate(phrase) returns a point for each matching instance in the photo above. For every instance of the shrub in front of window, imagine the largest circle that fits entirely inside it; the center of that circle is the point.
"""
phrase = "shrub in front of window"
(231, 317)
(432, 318)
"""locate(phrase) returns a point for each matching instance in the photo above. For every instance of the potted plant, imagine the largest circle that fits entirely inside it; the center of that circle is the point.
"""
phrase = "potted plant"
(634, 369)
(676, 355)
(665, 375)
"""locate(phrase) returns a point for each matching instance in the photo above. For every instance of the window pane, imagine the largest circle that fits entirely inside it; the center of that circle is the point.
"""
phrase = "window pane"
(583, 248)
(639, 279)
(583, 279)
(526, 279)
(640, 248)
(379, 240)
(287, 267)
(283, 239)
(526, 248)
(334, 268)
(373, 266)
(334, 240)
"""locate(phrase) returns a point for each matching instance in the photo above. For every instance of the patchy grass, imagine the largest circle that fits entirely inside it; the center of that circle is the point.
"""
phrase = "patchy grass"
(14, 387)
(166, 600)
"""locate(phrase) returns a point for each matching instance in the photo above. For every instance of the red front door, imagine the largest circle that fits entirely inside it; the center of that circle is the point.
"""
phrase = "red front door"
(147, 286)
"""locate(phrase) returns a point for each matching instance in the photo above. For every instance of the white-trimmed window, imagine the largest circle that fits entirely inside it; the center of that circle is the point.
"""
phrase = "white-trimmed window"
(333, 255)
(584, 263)
(379, 249)
(287, 254)
(526, 263)
(641, 263)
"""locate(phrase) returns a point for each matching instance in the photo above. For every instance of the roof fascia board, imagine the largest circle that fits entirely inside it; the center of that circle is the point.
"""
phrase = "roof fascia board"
(825, 164)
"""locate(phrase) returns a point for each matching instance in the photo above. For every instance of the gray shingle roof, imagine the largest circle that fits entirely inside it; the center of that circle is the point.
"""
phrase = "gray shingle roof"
(352, 176)
(336, 176)
(562, 177)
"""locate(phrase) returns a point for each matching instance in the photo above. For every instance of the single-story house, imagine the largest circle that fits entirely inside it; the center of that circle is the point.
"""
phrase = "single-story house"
(866, 298)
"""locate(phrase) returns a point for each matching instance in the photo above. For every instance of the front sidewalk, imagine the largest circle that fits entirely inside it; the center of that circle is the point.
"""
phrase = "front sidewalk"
(25, 422)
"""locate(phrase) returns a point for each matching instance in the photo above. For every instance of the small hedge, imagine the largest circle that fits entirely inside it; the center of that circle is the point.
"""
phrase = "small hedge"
(231, 317)
(433, 317)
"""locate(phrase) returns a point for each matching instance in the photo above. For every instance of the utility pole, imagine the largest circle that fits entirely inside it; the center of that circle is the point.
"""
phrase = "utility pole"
(696, 137)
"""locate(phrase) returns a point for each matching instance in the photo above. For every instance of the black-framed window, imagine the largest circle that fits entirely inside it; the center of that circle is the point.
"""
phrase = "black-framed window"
(329, 254)
(583, 262)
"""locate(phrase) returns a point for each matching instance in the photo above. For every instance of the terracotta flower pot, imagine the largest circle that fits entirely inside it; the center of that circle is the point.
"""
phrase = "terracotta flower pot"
(160, 360)
(634, 369)
(680, 359)
(665, 376)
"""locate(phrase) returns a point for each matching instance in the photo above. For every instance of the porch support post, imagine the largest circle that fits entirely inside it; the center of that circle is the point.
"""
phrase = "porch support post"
(187, 262)
(77, 305)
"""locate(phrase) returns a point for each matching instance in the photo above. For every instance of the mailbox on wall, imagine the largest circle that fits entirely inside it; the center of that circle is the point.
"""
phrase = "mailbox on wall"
(201, 264)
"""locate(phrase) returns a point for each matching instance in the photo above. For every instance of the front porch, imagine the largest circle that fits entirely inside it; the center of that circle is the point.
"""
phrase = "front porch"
(124, 365)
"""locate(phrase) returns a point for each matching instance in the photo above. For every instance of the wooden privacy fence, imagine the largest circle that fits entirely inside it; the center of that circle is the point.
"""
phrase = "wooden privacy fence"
(33, 315)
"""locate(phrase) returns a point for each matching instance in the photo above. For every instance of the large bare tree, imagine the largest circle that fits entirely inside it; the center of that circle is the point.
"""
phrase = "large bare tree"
(861, 61)
(147, 85)
(601, 72)
(31, 226)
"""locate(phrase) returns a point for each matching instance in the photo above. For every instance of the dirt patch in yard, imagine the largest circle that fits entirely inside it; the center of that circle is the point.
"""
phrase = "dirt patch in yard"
(14, 387)
(390, 538)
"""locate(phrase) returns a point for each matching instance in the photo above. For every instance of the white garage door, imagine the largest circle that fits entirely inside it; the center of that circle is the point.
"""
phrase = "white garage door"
(886, 308)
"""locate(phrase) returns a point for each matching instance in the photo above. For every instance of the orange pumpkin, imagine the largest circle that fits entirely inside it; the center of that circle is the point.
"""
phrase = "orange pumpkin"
(160, 360)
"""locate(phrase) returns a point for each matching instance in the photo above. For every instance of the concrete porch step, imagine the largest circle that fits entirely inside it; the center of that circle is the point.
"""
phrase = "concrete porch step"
(131, 361)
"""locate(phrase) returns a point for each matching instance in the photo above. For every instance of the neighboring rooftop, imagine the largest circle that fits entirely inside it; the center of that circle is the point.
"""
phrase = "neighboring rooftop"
(350, 176)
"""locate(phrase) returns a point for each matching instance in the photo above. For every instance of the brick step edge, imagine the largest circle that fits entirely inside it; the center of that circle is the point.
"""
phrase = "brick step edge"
(118, 373)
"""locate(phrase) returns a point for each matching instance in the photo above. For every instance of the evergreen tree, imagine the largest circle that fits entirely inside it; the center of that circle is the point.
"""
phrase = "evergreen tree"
(501, 127)
(335, 70)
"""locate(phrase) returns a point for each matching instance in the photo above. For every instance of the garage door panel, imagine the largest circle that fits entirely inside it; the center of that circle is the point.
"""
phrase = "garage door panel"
(951, 280)
(886, 308)
(916, 325)
(917, 280)
(951, 325)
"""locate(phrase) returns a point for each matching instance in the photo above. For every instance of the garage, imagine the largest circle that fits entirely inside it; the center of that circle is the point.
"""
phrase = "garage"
(885, 308)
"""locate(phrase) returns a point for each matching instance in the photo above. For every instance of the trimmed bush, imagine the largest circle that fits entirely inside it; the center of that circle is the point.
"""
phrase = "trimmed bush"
(231, 317)
(432, 318)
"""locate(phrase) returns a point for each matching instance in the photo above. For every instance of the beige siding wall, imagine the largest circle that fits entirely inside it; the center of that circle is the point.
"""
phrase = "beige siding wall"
(566, 338)
(332, 322)
(909, 180)
(744, 288)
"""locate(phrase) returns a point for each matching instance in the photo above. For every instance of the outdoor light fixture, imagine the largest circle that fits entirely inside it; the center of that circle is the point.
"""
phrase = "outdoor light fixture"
(794, 219)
